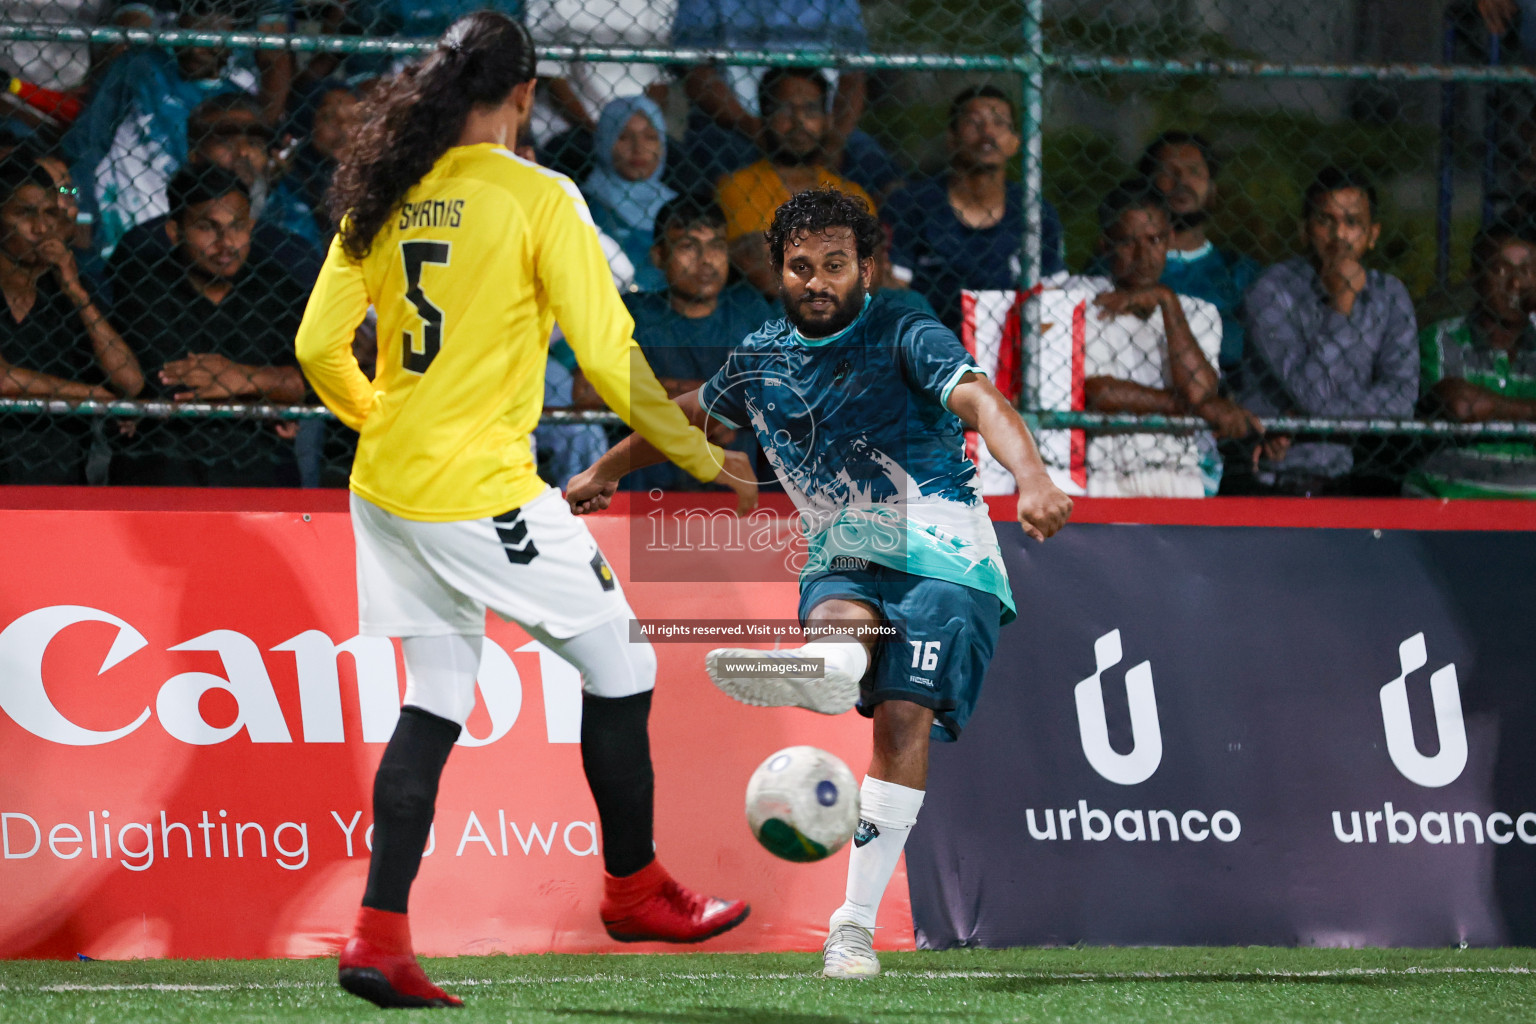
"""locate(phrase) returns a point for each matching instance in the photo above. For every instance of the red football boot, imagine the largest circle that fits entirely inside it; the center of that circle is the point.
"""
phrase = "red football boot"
(379, 965)
(649, 906)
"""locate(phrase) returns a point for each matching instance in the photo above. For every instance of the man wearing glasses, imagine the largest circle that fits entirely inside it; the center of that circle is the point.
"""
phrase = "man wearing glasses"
(796, 105)
(55, 341)
(77, 232)
(964, 229)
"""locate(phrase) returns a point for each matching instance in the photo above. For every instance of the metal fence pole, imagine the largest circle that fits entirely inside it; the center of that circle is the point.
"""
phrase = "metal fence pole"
(1032, 129)
(1445, 195)
(1493, 106)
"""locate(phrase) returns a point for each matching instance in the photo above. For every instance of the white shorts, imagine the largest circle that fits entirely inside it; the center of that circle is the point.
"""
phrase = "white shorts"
(537, 566)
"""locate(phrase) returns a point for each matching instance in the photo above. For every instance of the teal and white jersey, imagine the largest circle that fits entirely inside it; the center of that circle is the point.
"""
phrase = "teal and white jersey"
(858, 431)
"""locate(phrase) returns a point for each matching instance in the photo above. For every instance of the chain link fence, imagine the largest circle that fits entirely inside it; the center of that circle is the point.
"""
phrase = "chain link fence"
(1213, 246)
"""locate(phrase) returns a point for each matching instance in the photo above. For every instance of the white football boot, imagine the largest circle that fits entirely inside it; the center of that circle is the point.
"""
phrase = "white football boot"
(849, 952)
(831, 693)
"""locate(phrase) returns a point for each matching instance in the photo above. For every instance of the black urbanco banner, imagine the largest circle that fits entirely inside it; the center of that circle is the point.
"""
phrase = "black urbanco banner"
(1218, 735)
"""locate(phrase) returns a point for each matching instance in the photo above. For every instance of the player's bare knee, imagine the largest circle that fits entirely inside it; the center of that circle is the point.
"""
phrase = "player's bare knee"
(843, 609)
(901, 725)
(841, 618)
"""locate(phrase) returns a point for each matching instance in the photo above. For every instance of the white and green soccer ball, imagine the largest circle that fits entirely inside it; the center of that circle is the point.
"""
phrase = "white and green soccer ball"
(802, 804)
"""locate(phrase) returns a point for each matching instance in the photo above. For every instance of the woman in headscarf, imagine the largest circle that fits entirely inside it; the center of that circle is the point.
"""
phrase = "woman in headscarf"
(625, 191)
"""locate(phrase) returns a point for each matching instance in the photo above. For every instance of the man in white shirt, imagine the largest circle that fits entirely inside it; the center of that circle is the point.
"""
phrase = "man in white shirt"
(1126, 343)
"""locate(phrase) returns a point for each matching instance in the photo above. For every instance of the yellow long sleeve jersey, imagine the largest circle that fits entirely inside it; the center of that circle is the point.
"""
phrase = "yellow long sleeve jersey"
(487, 252)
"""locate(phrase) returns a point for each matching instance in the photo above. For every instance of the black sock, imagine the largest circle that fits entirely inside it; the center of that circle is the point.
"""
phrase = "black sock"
(616, 755)
(404, 796)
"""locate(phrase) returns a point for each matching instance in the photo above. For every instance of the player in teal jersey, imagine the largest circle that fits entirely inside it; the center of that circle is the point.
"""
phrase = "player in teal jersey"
(861, 409)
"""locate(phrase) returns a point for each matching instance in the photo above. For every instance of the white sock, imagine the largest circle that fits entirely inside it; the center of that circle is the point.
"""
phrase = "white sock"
(887, 813)
(849, 658)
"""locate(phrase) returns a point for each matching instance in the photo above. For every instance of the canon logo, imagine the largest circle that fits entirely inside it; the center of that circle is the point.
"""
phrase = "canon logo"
(24, 697)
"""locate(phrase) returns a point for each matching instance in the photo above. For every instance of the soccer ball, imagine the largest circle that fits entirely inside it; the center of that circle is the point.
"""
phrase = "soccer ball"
(802, 804)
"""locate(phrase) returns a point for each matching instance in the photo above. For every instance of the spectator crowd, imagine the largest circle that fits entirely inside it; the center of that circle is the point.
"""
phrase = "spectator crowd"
(160, 232)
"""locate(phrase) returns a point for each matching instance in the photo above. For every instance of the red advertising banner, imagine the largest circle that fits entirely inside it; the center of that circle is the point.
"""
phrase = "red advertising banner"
(190, 728)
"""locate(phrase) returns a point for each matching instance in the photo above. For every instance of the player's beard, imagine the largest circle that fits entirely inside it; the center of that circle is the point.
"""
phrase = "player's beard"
(847, 311)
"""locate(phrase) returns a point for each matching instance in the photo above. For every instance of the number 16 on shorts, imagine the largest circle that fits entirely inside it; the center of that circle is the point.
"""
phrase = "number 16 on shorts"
(925, 654)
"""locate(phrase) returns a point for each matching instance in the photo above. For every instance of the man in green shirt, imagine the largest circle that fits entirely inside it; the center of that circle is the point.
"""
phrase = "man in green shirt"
(1481, 367)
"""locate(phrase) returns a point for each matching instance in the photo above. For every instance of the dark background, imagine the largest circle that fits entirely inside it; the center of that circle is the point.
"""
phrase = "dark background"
(1269, 648)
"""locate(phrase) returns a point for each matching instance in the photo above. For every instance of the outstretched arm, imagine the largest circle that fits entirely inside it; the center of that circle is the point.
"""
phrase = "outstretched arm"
(593, 488)
(574, 273)
(1043, 508)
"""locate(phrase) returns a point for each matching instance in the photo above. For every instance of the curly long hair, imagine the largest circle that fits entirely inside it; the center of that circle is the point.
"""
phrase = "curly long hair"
(814, 211)
(411, 120)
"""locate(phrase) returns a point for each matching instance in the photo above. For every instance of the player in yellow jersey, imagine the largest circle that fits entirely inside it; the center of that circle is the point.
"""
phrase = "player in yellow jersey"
(470, 255)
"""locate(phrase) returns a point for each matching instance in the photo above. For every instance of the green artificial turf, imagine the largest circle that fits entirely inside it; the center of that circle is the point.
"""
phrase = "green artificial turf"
(1069, 985)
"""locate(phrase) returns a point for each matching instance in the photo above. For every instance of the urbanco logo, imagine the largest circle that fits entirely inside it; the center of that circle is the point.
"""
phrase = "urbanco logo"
(1146, 736)
(1446, 766)
(1134, 825)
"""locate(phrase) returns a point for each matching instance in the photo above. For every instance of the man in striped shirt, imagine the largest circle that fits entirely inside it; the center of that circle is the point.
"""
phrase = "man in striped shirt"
(1482, 366)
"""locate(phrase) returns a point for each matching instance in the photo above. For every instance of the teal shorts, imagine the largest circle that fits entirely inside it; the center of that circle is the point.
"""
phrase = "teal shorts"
(945, 636)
